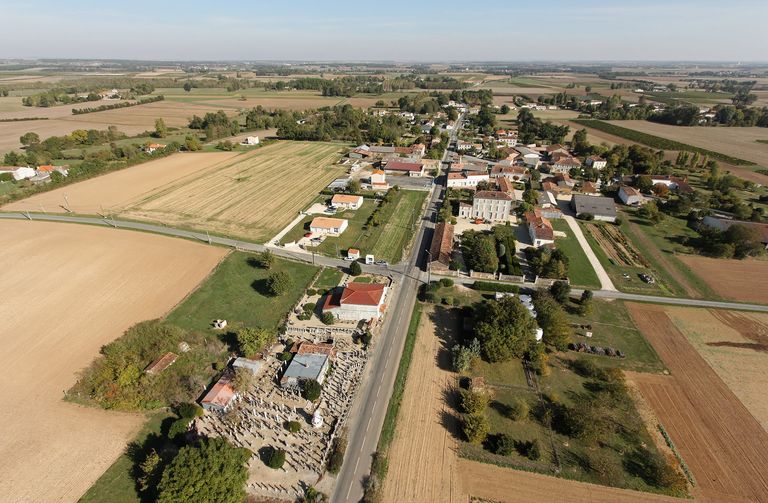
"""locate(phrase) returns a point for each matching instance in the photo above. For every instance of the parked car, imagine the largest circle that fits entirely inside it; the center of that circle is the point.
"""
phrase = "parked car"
(648, 279)
(382, 263)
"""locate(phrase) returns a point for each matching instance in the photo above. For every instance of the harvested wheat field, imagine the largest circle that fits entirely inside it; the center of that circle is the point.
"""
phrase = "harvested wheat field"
(734, 141)
(423, 461)
(735, 345)
(739, 280)
(725, 447)
(72, 289)
(252, 196)
(111, 193)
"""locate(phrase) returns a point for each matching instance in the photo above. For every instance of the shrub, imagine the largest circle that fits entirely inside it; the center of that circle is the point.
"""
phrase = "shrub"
(355, 269)
(447, 300)
(529, 449)
(430, 297)
(310, 307)
(475, 427)
(293, 426)
(336, 459)
(501, 444)
(446, 282)
(279, 283)
(585, 367)
(585, 216)
(367, 337)
(284, 356)
(456, 302)
(276, 458)
(603, 466)
(311, 292)
(178, 427)
(311, 390)
(189, 410)
(328, 318)
(489, 286)
(519, 409)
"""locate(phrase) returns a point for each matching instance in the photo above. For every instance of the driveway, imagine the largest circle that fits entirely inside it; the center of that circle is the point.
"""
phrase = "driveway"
(605, 280)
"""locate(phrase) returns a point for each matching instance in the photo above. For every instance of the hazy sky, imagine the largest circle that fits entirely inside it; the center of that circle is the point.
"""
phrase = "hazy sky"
(447, 30)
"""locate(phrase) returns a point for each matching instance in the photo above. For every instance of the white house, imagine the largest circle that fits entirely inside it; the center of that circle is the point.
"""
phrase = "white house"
(152, 147)
(462, 145)
(465, 180)
(356, 301)
(492, 205)
(539, 229)
(328, 226)
(251, 140)
(347, 201)
(630, 196)
(596, 162)
(19, 173)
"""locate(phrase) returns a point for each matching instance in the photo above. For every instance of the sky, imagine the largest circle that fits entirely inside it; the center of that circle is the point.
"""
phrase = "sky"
(395, 30)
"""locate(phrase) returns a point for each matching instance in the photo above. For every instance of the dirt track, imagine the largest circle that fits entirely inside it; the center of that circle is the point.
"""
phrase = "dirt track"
(67, 290)
(722, 443)
(740, 280)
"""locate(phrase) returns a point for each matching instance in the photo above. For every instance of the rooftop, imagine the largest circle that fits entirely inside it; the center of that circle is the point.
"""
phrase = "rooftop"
(493, 194)
(356, 294)
(345, 198)
(306, 366)
(327, 222)
(404, 166)
(596, 205)
(442, 243)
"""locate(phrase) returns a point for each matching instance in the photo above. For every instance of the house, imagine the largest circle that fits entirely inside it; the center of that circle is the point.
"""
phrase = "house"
(549, 213)
(590, 189)
(413, 169)
(564, 164)
(556, 149)
(722, 223)
(346, 201)
(465, 180)
(596, 162)
(547, 199)
(602, 208)
(378, 180)
(492, 205)
(18, 172)
(540, 230)
(328, 226)
(306, 367)
(353, 254)
(64, 170)
(246, 363)
(356, 301)
(465, 209)
(441, 249)
(251, 140)
(672, 182)
(152, 147)
(513, 173)
(531, 160)
(221, 395)
(361, 152)
(462, 145)
(630, 196)
(504, 185)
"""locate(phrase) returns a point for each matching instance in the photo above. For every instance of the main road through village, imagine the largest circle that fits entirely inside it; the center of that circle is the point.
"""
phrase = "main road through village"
(370, 407)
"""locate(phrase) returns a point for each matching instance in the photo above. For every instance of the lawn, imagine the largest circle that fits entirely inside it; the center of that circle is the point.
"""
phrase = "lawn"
(117, 485)
(236, 292)
(386, 241)
(580, 271)
(328, 278)
(613, 327)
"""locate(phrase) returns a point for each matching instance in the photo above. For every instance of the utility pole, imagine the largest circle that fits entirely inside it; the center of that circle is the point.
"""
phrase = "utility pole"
(313, 256)
(66, 203)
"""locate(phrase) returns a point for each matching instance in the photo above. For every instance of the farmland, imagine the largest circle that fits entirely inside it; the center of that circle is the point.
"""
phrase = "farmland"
(253, 196)
(113, 192)
(739, 280)
(724, 446)
(105, 281)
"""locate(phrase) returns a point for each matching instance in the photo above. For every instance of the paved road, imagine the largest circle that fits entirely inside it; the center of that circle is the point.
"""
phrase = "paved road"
(605, 280)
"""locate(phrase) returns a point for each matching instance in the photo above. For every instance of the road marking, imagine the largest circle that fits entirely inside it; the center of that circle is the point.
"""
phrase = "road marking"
(369, 424)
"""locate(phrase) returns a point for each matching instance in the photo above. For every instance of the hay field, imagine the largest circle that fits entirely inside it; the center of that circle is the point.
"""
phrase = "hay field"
(253, 196)
(724, 446)
(739, 280)
(72, 289)
(111, 193)
(734, 141)
(735, 345)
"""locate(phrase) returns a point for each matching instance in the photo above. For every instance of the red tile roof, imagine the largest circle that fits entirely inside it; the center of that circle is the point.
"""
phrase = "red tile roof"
(442, 243)
(542, 228)
(403, 166)
(356, 294)
(221, 394)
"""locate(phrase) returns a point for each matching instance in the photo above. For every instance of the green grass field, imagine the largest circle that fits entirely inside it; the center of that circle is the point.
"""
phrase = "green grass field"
(329, 277)
(580, 271)
(117, 485)
(235, 291)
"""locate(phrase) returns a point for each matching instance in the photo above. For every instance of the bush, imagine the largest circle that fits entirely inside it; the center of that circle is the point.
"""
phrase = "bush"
(355, 269)
(585, 367)
(189, 410)
(430, 297)
(447, 300)
(178, 427)
(284, 356)
(336, 459)
(475, 428)
(529, 449)
(489, 286)
(603, 466)
(585, 216)
(309, 307)
(311, 390)
(367, 337)
(446, 282)
(293, 426)
(279, 283)
(519, 409)
(276, 458)
(328, 318)
(501, 444)
(311, 292)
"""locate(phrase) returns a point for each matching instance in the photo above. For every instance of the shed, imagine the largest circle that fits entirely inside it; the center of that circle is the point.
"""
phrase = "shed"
(305, 367)
(246, 363)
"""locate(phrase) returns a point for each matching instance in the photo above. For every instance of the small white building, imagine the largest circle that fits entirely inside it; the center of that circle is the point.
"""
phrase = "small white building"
(347, 201)
(19, 172)
(328, 226)
(596, 162)
(465, 180)
(630, 196)
(251, 140)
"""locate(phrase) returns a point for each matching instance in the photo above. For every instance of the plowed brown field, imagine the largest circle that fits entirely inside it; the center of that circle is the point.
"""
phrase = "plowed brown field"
(67, 290)
(740, 280)
(722, 443)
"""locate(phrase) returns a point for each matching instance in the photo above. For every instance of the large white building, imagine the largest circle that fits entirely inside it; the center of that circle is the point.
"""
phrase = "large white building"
(356, 301)
(489, 205)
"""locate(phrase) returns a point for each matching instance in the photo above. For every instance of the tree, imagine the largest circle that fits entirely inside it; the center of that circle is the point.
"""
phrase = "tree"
(149, 472)
(251, 341)
(650, 211)
(243, 380)
(355, 269)
(160, 129)
(276, 458)
(585, 303)
(504, 110)
(327, 318)
(192, 144)
(504, 328)
(353, 186)
(660, 190)
(552, 320)
(502, 444)
(29, 139)
(560, 290)
(519, 409)
(475, 428)
(482, 254)
(266, 259)
(278, 283)
(311, 389)
(472, 402)
(747, 240)
(212, 471)
(187, 86)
